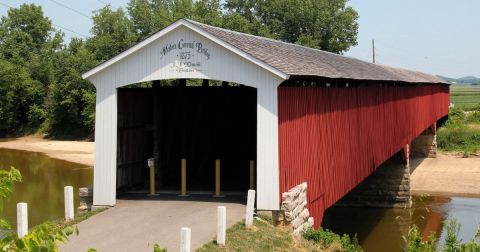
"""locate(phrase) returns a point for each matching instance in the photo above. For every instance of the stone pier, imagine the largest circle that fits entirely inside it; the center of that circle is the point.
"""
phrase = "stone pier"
(425, 145)
(388, 186)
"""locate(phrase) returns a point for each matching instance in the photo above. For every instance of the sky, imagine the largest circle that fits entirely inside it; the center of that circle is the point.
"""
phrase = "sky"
(433, 36)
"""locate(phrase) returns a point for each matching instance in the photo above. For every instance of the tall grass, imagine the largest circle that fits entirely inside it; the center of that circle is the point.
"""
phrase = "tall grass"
(461, 131)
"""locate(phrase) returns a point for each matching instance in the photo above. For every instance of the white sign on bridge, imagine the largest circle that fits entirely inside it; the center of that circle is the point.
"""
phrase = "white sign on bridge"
(188, 55)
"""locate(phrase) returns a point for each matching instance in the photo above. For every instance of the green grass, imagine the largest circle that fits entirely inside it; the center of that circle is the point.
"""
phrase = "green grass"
(264, 236)
(464, 95)
(461, 133)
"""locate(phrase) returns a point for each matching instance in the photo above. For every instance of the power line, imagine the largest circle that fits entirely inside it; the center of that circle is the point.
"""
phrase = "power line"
(59, 26)
(72, 31)
(70, 8)
(100, 1)
(6, 5)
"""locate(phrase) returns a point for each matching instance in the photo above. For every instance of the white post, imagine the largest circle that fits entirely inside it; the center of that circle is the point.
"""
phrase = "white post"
(185, 239)
(68, 192)
(221, 224)
(22, 219)
(250, 205)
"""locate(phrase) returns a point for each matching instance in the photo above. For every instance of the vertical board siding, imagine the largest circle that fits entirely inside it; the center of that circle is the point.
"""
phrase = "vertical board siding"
(146, 64)
(333, 138)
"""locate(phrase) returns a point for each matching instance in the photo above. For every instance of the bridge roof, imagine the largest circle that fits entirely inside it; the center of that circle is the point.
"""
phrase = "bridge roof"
(297, 60)
(285, 59)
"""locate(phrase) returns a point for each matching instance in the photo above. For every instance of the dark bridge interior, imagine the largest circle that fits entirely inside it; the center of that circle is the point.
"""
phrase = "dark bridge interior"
(200, 124)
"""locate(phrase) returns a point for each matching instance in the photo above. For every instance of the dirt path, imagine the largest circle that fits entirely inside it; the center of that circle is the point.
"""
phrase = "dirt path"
(73, 151)
(446, 175)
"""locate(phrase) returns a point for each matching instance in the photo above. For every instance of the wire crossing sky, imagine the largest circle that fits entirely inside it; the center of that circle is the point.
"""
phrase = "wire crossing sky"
(434, 36)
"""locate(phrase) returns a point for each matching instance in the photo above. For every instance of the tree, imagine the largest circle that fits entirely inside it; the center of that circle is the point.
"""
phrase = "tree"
(149, 16)
(22, 99)
(208, 12)
(112, 33)
(27, 44)
(329, 25)
(72, 95)
(246, 8)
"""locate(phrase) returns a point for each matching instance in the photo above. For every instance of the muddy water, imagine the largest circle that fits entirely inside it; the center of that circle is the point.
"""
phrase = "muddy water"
(382, 229)
(42, 185)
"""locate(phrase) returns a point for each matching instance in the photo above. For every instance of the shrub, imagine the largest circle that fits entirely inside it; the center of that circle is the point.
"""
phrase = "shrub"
(327, 238)
(415, 243)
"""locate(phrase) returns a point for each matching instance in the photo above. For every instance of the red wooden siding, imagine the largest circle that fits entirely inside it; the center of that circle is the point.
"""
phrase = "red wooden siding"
(333, 138)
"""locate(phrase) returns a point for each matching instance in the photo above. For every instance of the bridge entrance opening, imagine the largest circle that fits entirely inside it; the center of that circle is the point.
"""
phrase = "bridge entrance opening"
(199, 124)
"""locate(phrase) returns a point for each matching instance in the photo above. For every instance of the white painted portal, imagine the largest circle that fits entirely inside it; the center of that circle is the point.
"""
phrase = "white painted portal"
(183, 51)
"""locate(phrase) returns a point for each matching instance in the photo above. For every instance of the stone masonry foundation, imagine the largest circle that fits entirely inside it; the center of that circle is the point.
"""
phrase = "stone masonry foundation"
(388, 186)
(86, 199)
(425, 145)
(294, 210)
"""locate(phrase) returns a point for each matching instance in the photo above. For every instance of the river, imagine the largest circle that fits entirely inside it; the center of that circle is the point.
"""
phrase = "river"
(382, 229)
(42, 185)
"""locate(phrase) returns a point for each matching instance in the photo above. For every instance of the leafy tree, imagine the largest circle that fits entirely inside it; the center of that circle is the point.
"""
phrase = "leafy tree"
(27, 44)
(149, 16)
(112, 33)
(246, 8)
(22, 98)
(72, 96)
(208, 12)
(329, 25)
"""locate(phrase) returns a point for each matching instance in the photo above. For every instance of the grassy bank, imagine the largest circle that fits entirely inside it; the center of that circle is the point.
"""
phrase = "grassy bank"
(264, 236)
(461, 133)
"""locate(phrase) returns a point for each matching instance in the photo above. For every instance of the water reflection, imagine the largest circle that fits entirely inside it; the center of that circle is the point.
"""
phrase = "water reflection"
(382, 229)
(42, 186)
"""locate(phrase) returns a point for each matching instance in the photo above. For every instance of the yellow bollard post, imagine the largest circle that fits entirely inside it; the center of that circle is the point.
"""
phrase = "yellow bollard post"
(152, 180)
(217, 178)
(252, 174)
(151, 166)
(184, 177)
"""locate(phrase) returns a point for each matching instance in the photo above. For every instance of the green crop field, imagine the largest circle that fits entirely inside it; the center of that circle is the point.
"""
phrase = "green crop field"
(462, 95)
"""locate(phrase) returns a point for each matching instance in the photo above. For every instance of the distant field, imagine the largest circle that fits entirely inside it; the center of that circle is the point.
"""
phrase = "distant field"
(462, 95)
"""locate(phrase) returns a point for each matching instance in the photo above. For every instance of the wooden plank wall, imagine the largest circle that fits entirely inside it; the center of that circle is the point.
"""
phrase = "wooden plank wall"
(133, 141)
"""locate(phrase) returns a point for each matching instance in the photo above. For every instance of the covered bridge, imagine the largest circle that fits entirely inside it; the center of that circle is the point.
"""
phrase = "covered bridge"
(303, 115)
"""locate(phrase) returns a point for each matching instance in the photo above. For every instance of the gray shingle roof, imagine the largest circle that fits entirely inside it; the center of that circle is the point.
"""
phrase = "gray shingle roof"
(296, 60)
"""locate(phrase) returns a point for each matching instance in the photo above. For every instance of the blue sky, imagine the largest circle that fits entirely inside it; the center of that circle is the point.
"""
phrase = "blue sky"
(433, 36)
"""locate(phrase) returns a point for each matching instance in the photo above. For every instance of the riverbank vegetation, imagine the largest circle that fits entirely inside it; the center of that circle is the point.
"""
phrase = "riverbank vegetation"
(44, 237)
(415, 242)
(41, 88)
(461, 132)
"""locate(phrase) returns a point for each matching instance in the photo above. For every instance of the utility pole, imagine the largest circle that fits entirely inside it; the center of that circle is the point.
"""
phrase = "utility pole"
(373, 50)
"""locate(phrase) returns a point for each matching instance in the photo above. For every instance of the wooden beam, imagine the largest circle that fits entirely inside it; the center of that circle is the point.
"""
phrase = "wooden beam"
(181, 82)
(156, 127)
(205, 83)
